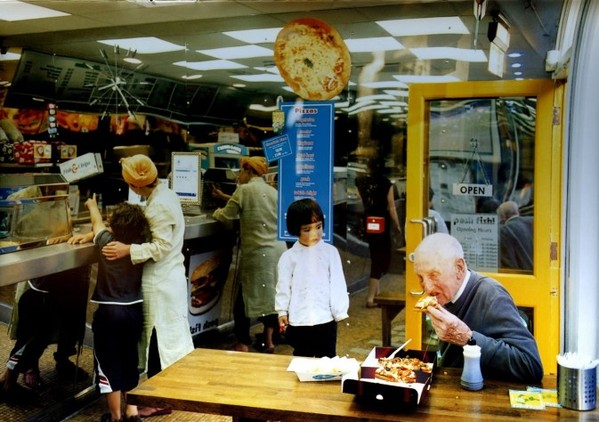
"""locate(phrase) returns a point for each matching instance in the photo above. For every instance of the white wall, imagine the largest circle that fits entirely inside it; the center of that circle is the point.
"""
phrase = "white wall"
(582, 187)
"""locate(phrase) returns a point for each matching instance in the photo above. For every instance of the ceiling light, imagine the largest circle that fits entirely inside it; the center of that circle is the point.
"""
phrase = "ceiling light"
(144, 45)
(375, 97)
(132, 60)
(211, 65)
(424, 26)
(426, 78)
(191, 77)
(13, 10)
(452, 53)
(270, 69)
(255, 36)
(264, 77)
(239, 85)
(369, 107)
(397, 92)
(242, 52)
(260, 107)
(384, 84)
(363, 45)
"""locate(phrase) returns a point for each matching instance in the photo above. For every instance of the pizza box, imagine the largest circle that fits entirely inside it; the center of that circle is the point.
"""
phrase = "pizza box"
(323, 369)
(369, 389)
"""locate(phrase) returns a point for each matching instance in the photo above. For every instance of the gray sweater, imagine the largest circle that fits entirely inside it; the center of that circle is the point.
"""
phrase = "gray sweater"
(508, 349)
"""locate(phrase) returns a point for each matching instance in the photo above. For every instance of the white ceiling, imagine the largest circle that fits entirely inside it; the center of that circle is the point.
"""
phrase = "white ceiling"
(199, 25)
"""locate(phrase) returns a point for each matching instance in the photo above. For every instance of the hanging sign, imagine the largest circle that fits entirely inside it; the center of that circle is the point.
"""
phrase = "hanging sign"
(471, 189)
(307, 172)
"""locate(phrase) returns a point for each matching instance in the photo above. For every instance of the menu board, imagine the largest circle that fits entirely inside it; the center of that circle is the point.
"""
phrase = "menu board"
(307, 171)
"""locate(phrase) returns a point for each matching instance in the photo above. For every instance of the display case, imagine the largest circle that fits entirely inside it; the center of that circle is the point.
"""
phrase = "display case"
(34, 211)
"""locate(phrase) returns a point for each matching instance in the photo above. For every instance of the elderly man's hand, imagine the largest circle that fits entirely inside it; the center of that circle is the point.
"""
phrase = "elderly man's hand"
(448, 327)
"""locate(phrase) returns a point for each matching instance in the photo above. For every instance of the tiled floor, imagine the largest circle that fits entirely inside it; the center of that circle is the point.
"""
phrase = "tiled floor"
(356, 337)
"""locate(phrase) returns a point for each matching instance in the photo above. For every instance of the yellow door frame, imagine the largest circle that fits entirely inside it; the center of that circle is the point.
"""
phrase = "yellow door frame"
(541, 290)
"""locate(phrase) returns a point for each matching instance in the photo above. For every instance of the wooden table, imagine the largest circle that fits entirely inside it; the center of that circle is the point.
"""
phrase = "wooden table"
(256, 385)
(391, 303)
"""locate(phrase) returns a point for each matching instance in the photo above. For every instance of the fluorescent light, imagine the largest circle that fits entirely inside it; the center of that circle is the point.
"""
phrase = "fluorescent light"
(191, 77)
(132, 60)
(255, 36)
(211, 65)
(370, 107)
(264, 77)
(397, 92)
(241, 52)
(394, 103)
(13, 10)
(362, 45)
(384, 84)
(144, 45)
(375, 97)
(239, 85)
(390, 110)
(260, 107)
(424, 26)
(9, 57)
(452, 53)
(425, 78)
(270, 69)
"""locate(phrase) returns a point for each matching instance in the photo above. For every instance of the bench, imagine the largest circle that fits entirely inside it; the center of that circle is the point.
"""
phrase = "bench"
(391, 303)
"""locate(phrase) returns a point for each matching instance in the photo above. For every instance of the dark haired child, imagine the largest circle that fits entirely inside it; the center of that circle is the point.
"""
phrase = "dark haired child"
(311, 289)
(118, 320)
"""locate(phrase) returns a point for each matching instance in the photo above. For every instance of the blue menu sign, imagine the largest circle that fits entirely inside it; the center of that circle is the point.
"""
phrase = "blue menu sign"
(307, 172)
(276, 148)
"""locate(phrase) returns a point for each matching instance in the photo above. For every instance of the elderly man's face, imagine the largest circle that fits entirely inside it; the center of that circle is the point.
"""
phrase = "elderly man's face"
(440, 279)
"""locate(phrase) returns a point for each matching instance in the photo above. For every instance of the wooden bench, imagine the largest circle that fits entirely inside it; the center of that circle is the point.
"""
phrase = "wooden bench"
(391, 303)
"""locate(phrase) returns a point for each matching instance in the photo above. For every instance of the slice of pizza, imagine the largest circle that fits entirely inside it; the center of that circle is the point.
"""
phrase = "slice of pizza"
(312, 58)
(426, 301)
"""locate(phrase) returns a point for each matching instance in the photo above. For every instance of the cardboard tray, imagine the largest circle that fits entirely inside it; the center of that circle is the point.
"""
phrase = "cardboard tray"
(371, 390)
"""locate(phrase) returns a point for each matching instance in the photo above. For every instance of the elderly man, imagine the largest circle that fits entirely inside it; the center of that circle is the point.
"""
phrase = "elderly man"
(474, 307)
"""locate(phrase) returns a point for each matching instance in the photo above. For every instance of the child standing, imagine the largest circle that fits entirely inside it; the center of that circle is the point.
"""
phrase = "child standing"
(118, 320)
(311, 295)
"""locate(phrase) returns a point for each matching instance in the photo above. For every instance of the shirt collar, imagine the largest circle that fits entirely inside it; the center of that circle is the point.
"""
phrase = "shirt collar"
(462, 287)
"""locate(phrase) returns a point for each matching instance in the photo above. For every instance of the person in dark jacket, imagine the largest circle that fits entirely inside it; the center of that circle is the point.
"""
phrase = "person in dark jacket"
(473, 307)
(515, 238)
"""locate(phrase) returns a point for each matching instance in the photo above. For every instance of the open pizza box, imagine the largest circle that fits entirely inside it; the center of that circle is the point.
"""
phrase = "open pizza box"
(367, 388)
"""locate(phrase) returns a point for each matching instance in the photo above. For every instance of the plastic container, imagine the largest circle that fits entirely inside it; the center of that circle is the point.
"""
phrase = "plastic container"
(472, 378)
(577, 388)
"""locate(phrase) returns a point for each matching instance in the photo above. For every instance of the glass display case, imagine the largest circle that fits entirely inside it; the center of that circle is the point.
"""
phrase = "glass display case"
(34, 211)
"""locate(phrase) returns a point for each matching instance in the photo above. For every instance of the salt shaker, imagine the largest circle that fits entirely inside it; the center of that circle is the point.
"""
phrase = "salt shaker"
(472, 378)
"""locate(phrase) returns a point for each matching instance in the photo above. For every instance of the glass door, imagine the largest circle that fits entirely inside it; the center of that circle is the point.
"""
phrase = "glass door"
(483, 165)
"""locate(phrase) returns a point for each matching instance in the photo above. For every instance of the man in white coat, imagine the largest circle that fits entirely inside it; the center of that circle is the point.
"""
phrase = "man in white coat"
(166, 337)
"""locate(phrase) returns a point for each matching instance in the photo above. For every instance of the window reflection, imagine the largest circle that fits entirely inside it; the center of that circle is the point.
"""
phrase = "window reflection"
(481, 158)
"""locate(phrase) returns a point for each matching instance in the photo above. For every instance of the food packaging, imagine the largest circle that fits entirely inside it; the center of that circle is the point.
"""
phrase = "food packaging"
(371, 390)
(323, 369)
(84, 166)
(30, 152)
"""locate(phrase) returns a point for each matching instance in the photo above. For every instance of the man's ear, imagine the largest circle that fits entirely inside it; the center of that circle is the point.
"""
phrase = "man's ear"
(460, 264)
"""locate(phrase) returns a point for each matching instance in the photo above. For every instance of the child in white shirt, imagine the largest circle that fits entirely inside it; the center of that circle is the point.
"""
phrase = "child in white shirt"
(311, 293)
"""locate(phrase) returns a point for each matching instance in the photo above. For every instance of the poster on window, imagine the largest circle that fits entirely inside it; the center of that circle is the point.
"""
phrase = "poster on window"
(308, 171)
(479, 236)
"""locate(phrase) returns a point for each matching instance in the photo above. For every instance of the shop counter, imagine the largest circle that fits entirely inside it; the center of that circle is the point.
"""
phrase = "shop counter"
(258, 386)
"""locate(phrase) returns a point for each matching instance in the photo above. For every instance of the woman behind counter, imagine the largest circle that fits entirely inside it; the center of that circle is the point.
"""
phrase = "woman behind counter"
(254, 204)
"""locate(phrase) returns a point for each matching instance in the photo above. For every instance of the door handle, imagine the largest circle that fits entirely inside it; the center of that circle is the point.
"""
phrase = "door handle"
(425, 225)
